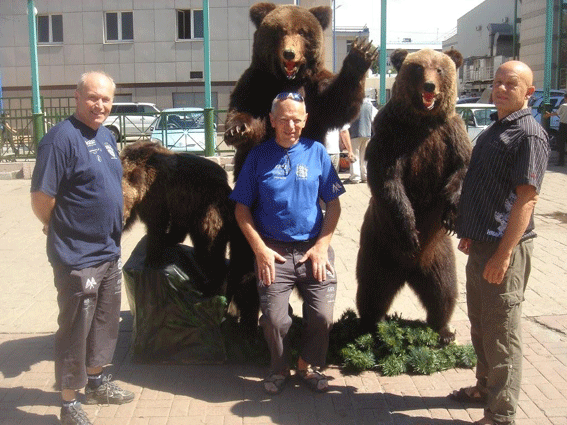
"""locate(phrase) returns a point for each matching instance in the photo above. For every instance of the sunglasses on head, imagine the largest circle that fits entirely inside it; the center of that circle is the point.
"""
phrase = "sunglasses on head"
(290, 95)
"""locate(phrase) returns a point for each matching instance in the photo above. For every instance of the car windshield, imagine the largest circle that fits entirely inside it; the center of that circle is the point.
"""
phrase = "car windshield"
(182, 121)
(482, 116)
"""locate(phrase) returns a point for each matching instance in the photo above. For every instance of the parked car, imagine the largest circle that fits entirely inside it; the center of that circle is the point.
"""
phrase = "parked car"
(467, 100)
(538, 94)
(537, 110)
(477, 116)
(180, 129)
(131, 119)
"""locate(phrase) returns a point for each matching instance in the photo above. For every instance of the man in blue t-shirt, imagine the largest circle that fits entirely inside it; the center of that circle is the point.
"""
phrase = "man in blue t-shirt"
(278, 210)
(76, 192)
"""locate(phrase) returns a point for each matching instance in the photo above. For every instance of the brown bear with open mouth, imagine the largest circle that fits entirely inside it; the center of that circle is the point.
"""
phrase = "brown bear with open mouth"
(288, 56)
(417, 159)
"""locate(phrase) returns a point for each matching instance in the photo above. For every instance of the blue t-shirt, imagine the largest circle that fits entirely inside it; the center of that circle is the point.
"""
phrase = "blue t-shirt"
(282, 188)
(80, 167)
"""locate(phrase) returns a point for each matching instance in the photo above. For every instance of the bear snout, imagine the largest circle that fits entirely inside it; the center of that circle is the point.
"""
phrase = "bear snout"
(429, 87)
(289, 54)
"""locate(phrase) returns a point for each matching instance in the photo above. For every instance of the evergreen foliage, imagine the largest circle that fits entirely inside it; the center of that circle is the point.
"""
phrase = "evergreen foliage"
(398, 346)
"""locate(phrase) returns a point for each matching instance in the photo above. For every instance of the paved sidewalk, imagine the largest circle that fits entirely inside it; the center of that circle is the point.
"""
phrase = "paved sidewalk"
(231, 394)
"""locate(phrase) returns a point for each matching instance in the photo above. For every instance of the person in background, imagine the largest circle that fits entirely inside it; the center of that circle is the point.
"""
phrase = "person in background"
(333, 141)
(562, 133)
(76, 192)
(277, 195)
(496, 230)
(360, 133)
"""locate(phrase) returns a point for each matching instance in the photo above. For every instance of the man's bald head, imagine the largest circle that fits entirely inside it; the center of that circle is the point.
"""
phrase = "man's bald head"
(512, 87)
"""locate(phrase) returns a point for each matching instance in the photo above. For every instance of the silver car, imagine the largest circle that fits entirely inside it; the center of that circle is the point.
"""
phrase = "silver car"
(181, 129)
(477, 116)
(132, 120)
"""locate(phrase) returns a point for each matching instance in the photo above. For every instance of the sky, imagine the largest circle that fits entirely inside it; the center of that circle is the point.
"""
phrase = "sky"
(422, 21)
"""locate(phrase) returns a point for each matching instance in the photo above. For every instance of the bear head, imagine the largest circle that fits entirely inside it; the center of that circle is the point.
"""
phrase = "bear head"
(288, 42)
(426, 83)
(137, 177)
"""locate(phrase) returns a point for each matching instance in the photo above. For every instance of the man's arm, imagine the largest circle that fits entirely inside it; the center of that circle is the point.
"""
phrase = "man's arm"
(265, 257)
(318, 252)
(344, 135)
(519, 219)
(42, 206)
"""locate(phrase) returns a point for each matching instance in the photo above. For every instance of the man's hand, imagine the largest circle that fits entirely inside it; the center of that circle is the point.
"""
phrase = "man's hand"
(520, 214)
(465, 245)
(318, 254)
(266, 264)
(495, 269)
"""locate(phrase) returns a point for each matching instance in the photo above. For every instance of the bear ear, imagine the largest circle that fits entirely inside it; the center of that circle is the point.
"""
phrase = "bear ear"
(323, 15)
(259, 11)
(456, 56)
(397, 58)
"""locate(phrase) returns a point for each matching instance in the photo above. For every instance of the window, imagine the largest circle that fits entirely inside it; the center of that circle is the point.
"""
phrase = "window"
(190, 24)
(50, 28)
(119, 26)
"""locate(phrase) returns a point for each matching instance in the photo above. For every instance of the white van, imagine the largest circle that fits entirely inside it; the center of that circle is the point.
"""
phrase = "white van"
(131, 119)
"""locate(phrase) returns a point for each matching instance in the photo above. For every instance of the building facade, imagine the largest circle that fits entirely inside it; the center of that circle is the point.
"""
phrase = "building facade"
(153, 49)
(485, 38)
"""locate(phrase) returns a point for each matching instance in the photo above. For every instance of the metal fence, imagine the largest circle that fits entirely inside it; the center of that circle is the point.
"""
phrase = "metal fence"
(17, 132)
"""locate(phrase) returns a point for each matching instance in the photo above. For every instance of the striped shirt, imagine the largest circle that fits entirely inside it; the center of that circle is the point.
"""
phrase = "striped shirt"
(511, 152)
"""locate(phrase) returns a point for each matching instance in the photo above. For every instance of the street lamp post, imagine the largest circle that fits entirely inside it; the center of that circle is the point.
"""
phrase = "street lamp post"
(38, 129)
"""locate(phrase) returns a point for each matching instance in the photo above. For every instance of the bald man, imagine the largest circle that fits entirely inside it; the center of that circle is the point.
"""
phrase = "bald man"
(76, 193)
(496, 228)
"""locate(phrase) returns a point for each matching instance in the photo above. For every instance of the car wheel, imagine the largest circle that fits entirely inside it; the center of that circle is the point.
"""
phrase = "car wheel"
(114, 132)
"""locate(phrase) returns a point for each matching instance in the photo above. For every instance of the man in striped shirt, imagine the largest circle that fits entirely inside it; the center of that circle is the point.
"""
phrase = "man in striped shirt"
(496, 228)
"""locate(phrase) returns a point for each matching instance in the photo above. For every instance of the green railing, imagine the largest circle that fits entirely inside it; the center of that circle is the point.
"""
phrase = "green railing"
(17, 132)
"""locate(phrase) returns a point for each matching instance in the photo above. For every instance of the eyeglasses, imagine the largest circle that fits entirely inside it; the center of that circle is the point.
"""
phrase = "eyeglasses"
(290, 95)
(286, 166)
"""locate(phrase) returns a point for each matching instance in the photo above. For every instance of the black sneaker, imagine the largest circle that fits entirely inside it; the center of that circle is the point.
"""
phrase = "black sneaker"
(107, 393)
(74, 415)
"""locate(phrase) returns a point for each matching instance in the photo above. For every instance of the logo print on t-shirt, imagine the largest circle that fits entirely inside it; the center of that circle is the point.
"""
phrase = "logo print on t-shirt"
(110, 150)
(302, 172)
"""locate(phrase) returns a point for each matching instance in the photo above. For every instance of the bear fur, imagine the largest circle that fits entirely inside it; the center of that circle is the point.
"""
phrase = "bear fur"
(417, 159)
(176, 195)
(287, 55)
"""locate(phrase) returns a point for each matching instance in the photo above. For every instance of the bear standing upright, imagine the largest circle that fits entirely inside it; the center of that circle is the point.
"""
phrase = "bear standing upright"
(287, 55)
(417, 159)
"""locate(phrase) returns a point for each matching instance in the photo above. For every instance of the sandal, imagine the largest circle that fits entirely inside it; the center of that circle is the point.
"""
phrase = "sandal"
(468, 395)
(314, 380)
(274, 383)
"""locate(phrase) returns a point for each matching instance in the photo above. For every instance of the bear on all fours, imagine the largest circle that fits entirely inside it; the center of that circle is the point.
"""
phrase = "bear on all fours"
(417, 159)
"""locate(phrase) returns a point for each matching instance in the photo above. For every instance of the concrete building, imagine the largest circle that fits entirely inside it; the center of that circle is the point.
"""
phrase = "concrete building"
(532, 48)
(485, 38)
(153, 49)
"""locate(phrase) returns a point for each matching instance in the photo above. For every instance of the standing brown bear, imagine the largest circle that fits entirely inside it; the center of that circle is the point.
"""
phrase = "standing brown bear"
(287, 55)
(417, 159)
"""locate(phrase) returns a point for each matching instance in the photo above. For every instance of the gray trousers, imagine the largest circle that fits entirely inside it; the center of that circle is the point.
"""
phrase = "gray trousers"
(318, 303)
(495, 313)
(89, 313)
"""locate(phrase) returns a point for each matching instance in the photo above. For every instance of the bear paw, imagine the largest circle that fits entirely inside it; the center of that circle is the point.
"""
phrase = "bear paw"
(237, 134)
(411, 245)
(446, 336)
(449, 219)
(363, 53)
